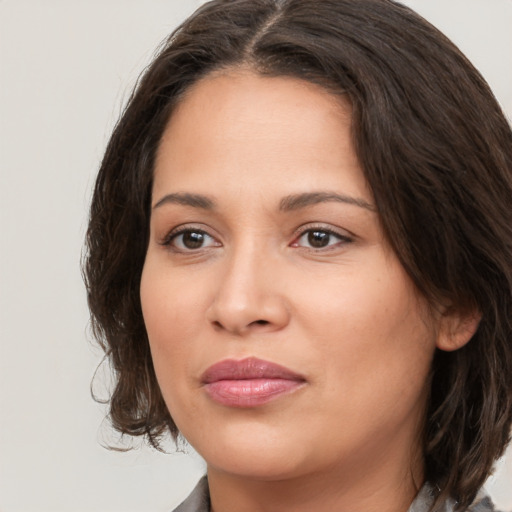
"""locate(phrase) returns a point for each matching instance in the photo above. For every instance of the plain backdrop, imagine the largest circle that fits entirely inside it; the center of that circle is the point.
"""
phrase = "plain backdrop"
(66, 69)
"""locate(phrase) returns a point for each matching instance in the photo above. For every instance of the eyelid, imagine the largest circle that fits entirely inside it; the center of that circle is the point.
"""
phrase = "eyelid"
(184, 228)
(342, 234)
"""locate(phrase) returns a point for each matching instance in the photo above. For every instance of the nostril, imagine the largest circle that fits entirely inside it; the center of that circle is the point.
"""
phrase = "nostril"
(260, 322)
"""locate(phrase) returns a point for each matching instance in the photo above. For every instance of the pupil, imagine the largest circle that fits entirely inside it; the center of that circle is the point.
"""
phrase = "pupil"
(318, 238)
(193, 240)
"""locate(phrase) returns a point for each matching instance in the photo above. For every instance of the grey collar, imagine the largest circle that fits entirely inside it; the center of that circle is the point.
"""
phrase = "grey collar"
(426, 497)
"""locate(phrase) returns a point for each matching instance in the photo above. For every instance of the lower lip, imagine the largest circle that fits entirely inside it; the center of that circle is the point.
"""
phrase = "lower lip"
(250, 392)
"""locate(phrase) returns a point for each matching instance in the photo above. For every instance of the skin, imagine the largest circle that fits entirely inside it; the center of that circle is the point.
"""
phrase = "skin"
(345, 316)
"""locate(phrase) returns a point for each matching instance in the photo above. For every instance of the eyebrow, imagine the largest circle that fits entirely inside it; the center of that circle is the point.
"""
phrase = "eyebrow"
(187, 199)
(287, 204)
(297, 201)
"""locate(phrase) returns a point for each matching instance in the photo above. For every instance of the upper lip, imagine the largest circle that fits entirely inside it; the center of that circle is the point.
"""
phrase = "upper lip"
(246, 369)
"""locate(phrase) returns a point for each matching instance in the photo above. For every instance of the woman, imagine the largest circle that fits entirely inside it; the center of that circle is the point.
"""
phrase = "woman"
(299, 259)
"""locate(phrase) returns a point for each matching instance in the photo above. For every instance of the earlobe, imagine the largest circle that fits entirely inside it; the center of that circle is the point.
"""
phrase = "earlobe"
(456, 329)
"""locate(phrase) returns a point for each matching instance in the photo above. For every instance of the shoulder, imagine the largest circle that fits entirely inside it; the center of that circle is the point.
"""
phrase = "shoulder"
(482, 503)
(198, 500)
(425, 498)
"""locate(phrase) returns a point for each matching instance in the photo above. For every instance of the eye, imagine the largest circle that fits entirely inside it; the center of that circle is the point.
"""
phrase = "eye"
(189, 239)
(320, 238)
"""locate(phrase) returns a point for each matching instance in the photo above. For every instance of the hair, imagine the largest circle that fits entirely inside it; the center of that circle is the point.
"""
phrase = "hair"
(436, 151)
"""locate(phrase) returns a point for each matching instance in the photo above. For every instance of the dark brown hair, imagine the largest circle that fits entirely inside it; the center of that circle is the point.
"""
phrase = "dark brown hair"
(436, 151)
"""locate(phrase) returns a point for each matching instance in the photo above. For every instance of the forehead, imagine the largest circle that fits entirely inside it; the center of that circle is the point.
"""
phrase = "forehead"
(240, 125)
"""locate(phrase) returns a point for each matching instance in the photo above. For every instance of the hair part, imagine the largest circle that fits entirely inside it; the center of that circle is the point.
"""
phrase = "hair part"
(436, 151)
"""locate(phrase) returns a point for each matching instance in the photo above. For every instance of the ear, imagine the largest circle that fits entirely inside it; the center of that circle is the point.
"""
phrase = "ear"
(456, 329)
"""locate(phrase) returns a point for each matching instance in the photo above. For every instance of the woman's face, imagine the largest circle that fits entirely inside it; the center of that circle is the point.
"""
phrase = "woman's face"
(286, 337)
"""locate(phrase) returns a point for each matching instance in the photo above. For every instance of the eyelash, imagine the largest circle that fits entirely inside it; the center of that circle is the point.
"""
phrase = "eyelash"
(308, 230)
(170, 239)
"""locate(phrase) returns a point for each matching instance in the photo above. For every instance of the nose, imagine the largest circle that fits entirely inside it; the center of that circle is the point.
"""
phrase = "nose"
(248, 297)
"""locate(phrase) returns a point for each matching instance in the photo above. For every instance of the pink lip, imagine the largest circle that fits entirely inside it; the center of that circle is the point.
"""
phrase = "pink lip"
(249, 382)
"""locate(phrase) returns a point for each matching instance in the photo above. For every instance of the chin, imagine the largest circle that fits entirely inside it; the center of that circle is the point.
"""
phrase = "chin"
(255, 465)
(250, 451)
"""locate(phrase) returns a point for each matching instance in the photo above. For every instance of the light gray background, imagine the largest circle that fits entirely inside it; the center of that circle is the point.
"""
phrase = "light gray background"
(66, 68)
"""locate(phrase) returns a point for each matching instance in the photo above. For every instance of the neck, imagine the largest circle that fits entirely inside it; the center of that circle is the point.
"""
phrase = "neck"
(384, 485)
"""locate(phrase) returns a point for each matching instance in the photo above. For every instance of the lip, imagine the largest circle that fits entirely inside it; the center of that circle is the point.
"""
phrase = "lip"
(249, 382)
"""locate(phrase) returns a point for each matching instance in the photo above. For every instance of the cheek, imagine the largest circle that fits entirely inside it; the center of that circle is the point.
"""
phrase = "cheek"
(170, 305)
(372, 337)
(353, 304)
(171, 311)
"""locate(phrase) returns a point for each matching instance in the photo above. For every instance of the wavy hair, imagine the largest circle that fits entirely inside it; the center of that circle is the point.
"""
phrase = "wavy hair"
(436, 151)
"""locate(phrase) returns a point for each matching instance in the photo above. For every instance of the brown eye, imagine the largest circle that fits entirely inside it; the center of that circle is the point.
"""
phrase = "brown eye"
(318, 239)
(191, 239)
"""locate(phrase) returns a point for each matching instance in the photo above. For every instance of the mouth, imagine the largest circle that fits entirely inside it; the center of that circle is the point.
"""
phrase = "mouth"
(249, 382)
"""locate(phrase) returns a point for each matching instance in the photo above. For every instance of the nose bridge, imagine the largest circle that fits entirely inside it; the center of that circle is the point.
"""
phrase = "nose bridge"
(247, 295)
